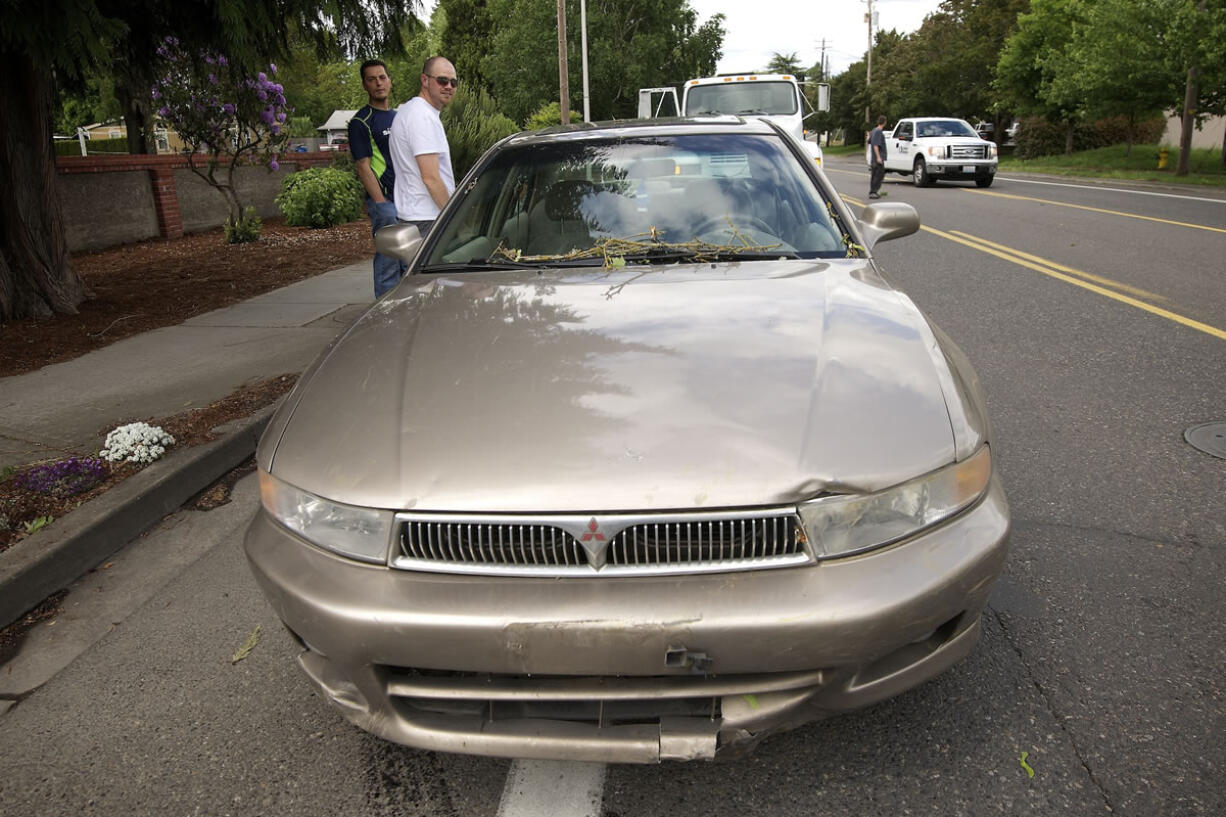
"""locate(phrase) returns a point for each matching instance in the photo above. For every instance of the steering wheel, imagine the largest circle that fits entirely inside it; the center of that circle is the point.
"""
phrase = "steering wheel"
(738, 220)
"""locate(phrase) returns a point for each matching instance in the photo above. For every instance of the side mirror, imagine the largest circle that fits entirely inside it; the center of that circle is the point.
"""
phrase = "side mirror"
(400, 241)
(886, 221)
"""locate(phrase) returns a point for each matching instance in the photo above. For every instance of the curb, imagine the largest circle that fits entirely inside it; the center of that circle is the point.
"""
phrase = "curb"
(40, 565)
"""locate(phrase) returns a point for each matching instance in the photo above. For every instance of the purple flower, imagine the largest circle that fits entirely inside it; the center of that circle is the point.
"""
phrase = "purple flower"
(163, 111)
(272, 66)
(276, 130)
(262, 77)
(281, 117)
(228, 108)
(266, 116)
(212, 79)
(272, 165)
(63, 478)
(221, 59)
(262, 95)
(157, 94)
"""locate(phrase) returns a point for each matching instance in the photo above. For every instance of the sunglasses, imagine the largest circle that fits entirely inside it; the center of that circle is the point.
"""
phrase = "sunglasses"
(443, 82)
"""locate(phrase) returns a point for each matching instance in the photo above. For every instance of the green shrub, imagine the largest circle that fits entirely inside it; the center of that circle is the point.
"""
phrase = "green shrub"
(320, 197)
(72, 147)
(343, 160)
(1038, 137)
(473, 123)
(247, 229)
(548, 115)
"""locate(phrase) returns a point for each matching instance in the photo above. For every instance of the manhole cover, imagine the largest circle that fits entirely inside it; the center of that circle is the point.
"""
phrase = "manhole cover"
(1208, 437)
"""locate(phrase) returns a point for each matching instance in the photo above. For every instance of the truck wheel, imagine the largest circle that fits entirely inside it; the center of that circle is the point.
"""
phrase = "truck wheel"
(986, 181)
(919, 176)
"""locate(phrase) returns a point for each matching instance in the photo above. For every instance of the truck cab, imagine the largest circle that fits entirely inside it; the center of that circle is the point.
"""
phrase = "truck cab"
(776, 97)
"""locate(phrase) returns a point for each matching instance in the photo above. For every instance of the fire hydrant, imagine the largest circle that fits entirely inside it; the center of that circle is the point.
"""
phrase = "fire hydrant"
(1162, 154)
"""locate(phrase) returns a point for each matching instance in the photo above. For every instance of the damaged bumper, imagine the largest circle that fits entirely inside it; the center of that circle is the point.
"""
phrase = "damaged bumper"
(628, 669)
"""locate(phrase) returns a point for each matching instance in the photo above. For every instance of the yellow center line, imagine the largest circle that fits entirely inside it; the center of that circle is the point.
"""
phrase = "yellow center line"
(1095, 210)
(1068, 279)
(1098, 279)
(1053, 271)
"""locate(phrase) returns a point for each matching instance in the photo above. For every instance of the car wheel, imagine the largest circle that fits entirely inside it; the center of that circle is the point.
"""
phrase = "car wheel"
(920, 175)
(984, 182)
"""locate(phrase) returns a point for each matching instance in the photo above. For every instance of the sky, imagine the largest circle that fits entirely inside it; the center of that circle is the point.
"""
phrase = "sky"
(756, 29)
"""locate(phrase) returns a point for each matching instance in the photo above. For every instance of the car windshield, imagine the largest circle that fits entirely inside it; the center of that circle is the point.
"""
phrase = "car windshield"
(775, 98)
(945, 127)
(646, 199)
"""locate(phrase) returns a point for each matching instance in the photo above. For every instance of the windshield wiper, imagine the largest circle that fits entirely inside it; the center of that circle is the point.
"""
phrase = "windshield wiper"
(700, 255)
(480, 264)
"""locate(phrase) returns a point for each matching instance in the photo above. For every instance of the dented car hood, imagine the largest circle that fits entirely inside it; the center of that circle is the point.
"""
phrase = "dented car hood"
(642, 388)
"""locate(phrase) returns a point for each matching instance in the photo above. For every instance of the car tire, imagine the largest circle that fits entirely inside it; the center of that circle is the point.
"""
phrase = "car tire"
(920, 177)
(984, 182)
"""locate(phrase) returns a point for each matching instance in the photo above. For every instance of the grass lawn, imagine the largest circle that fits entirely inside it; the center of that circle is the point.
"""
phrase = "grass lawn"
(1114, 162)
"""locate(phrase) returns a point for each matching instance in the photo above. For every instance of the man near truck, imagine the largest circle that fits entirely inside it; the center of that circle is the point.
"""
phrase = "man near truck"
(876, 143)
(368, 134)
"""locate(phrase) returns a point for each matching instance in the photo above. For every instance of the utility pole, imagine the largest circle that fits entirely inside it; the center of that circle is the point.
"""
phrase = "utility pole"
(587, 108)
(563, 83)
(822, 62)
(868, 76)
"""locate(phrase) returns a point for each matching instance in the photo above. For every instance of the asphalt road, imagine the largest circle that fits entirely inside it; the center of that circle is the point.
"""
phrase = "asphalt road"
(1096, 318)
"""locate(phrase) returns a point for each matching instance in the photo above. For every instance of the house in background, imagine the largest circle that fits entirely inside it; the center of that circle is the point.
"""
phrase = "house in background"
(336, 129)
(166, 139)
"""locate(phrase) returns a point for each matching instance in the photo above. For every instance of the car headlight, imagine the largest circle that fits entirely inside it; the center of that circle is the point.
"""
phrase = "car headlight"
(843, 525)
(992, 151)
(359, 533)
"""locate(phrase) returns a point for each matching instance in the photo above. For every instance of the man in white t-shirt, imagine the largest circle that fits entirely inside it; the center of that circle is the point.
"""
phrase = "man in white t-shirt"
(420, 154)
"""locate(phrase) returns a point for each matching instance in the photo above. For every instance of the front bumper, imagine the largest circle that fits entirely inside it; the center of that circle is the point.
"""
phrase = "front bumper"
(628, 669)
(965, 170)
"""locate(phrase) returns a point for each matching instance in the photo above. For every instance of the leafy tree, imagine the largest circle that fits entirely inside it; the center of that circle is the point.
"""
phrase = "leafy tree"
(473, 123)
(1117, 61)
(1197, 29)
(631, 44)
(465, 36)
(222, 113)
(783, 64)
(1032, 76)
(66, 37)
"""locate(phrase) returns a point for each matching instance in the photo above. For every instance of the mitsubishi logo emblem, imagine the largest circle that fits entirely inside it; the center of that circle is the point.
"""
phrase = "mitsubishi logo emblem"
(593, 532)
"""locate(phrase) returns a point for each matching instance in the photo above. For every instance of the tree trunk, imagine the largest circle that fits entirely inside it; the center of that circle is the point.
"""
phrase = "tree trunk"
(1190, 94)
(36, 274)
(134, 102)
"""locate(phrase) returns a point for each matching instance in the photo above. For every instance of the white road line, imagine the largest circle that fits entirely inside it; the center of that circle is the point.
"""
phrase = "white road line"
(1070, 184)
(1111, 189)
(550, 788)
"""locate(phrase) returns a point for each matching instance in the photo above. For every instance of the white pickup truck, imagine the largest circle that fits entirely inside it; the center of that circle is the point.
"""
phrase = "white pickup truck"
(936, 147)
(767, 96)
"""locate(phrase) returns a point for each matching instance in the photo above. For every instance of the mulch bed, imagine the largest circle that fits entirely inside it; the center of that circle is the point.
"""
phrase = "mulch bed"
(163, 282)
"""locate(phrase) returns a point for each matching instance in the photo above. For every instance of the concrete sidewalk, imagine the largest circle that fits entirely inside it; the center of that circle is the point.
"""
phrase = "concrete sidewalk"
(68, 408)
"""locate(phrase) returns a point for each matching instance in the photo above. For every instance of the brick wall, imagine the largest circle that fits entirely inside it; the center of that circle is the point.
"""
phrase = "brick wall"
(109, 200)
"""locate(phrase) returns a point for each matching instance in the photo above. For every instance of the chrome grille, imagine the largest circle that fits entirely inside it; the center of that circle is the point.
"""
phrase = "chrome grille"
(490, 544)
(968, 151)
(601, 545)
(722, 540)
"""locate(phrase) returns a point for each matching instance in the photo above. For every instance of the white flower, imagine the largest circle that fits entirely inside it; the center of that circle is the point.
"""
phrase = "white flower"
(135, 442)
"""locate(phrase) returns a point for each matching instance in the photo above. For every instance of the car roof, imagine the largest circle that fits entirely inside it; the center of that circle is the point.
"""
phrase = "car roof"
(672, 126)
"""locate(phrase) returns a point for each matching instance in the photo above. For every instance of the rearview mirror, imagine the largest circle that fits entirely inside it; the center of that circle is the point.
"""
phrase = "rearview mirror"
(886, 221)
(400, 241)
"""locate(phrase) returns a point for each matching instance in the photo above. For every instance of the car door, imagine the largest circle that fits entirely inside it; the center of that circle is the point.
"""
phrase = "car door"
(899, 156)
